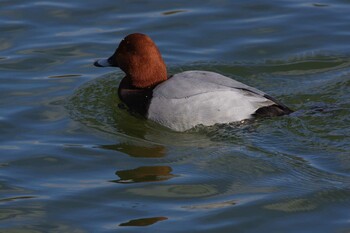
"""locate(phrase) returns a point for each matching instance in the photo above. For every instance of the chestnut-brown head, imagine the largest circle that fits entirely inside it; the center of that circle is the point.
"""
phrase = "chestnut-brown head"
(138, 56)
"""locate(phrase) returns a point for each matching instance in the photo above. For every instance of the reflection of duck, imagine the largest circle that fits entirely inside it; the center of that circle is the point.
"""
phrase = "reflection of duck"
(145, 174)
(137, 151)
(186, 99)
(143, 221)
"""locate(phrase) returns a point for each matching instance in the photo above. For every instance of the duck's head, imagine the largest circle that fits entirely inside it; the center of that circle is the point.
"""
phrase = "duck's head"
(138, 56)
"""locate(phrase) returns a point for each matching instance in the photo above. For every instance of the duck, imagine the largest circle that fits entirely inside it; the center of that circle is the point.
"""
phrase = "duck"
(184, 100)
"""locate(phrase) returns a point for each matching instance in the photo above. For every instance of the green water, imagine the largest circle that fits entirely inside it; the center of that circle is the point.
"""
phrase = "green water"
(72, 161)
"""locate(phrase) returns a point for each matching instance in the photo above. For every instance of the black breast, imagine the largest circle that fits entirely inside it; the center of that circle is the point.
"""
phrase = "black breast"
(137, 99)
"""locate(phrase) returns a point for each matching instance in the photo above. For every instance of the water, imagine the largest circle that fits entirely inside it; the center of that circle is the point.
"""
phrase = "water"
(71, 161)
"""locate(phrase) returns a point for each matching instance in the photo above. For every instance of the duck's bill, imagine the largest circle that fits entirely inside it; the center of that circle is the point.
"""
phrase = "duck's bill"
(102, 63)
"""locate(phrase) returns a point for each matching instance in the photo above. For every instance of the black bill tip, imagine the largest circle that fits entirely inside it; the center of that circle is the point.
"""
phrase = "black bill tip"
(102, 63)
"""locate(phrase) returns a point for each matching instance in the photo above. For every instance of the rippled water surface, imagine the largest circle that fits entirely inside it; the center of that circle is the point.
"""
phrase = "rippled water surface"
(72, 161)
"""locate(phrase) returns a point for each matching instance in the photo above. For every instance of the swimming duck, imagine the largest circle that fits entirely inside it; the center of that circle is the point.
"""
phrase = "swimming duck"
(186, 99)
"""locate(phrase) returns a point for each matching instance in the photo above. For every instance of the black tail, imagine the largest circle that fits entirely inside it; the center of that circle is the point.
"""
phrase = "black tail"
(277, 109)
(272, 110)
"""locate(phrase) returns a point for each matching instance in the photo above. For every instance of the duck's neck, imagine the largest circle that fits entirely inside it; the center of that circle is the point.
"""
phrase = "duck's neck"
(129, 82)
(126, 85)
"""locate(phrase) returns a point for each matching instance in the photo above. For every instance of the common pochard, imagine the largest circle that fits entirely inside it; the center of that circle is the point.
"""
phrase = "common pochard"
(186, 99)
